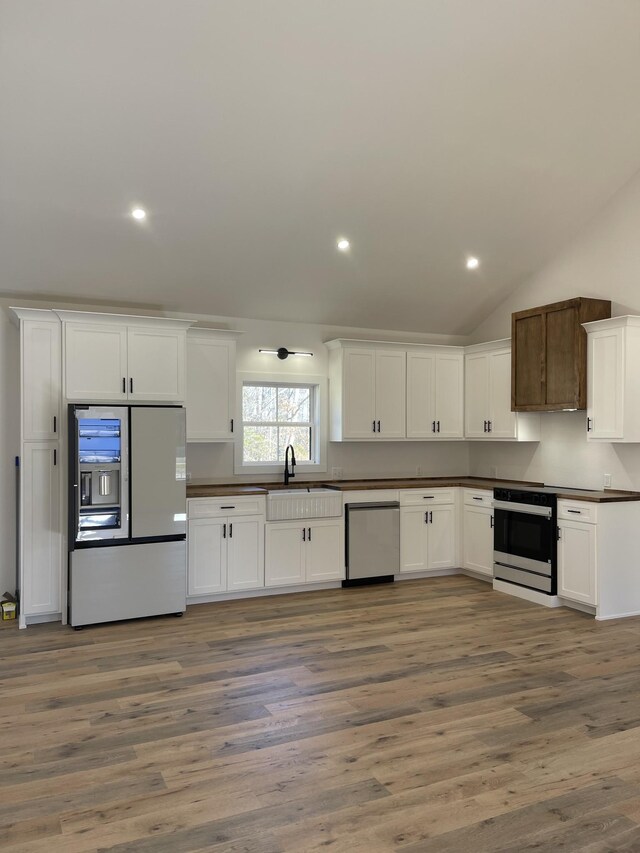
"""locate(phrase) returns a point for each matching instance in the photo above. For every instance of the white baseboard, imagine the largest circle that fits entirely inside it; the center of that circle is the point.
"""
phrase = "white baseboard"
(262, 592)
(436, 573)
(600, 618)
(476, 575)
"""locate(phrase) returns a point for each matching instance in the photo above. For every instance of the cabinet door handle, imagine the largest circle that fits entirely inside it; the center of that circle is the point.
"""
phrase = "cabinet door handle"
(55, 456)
(55, 424)
(378, 426)
(426, 518)
(433, 426)
(231, 424)
(491, 522)
(304, 534)
(589, 423)
(373, 426)
(558, 533)
(224, 531)
(231, 531)
(131, 385)
(438, 426)
(431, 517)
(309, 537)
(489, 427)
(484, 428)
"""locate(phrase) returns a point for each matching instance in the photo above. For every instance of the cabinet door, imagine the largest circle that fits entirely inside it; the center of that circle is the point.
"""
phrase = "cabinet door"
(391, 378)
(41, 346)
(413, 539)
(358, 393)
(156, 361)
(245, 552)
(324, 552)
(577, 561)
(421, 394)
(441, 537)
(210, 388)
(502, 419)
(41, 557)
(449, 397)
(95, 359)
(207, 560)
(478, 540)
(284, 553)
(605, 384)
(476, 394)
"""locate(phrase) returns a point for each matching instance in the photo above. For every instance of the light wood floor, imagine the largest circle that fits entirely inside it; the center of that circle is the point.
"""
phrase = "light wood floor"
(425, 716)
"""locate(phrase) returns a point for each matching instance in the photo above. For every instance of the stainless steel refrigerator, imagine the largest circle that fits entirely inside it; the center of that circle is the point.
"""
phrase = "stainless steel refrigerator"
(127, 512)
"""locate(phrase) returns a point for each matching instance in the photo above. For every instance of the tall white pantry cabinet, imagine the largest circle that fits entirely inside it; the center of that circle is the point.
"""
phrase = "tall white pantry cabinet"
(40, 540)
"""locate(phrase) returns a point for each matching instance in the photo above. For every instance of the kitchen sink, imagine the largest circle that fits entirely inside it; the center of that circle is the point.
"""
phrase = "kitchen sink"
(284, 504)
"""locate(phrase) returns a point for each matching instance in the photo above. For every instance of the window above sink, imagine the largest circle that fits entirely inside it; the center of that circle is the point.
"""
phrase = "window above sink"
(278, 410)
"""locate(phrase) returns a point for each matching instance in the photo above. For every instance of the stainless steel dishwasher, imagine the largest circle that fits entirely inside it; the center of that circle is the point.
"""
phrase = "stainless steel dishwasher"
(372, 542)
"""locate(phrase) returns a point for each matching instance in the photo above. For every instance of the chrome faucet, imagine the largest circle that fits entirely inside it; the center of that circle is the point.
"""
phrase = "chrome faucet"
(289, 474)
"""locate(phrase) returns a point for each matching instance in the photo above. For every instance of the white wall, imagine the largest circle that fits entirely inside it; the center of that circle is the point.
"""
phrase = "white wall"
(602, 261)
(214, 462)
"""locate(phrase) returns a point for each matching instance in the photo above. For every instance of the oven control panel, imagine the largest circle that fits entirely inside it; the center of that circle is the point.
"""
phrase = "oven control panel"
(522, 496)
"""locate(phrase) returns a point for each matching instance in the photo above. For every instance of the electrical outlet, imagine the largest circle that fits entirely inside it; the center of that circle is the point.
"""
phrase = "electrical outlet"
(188, 477)
(336, 473)
(494, 472)
(607, 481)
(418, 471)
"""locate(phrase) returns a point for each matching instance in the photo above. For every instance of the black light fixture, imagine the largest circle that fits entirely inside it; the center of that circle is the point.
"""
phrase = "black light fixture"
(283, 352)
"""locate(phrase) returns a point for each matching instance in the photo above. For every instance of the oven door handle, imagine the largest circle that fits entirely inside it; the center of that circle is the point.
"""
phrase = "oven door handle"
(527, 509)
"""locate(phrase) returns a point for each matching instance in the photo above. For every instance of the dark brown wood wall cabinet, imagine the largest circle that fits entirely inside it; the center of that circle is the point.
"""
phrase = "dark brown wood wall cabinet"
(549, 354)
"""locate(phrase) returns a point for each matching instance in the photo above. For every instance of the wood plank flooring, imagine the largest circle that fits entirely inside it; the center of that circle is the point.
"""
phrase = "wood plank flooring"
(430, 715)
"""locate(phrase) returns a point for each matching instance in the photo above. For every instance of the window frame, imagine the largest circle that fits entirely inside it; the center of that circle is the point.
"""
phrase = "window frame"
(319, 405)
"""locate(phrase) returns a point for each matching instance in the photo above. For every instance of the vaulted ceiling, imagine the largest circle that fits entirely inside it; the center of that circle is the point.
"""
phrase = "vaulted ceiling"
(257, 132)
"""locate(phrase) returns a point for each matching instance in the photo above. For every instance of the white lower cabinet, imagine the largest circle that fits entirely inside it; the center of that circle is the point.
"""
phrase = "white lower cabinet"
(427, 537)
(477, 531)
(577, 561)
(41, 534)
(303, 551)
(226, 554)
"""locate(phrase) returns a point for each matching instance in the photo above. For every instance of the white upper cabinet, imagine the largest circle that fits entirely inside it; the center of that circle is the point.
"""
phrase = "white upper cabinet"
(613, 379)
(112, 358)
(41, 373)
(95, 361)
(367, 391)
(487, 402)
(211, 373)
(435, 393)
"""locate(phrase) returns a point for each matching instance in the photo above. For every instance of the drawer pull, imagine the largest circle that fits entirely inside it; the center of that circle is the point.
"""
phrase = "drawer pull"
(428, 497)
(476, 498)
(227, 507)
(575, 511)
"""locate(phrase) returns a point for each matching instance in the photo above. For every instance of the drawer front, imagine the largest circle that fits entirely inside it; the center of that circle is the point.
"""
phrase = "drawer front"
(230, 506)
(478, 497)
(578, 511)
(427, 497)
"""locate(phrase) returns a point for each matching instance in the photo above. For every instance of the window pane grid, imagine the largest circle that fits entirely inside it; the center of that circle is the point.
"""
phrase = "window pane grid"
(274, 416)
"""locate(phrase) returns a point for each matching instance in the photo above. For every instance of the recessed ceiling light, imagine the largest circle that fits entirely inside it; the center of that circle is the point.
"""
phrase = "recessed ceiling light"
(473, 263)
(139, 213)
(343, 244)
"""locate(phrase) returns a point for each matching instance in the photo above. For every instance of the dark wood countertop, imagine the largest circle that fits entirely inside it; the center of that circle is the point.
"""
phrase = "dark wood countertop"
(204, 490)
